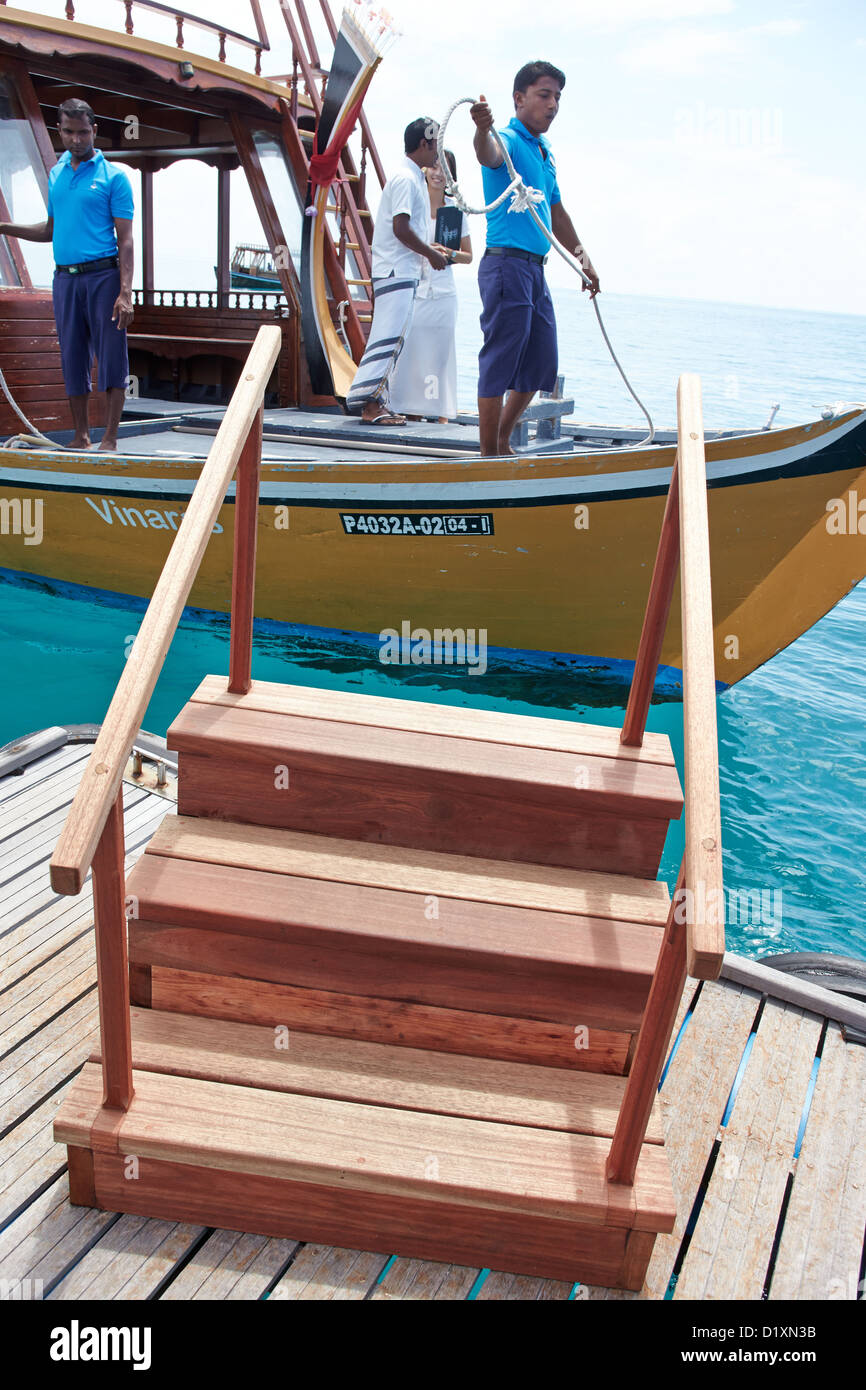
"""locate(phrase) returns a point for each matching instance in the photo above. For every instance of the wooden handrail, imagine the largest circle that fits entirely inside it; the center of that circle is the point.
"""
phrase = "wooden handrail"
(102, 777)
(685, 541)
(705, 907)
(694, 940)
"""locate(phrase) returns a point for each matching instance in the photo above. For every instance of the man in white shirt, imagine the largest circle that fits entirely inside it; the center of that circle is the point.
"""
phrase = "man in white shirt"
(399, 244)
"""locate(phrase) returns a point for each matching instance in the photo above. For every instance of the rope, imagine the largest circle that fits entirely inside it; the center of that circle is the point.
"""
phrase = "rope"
(33, 436)
(524, 199)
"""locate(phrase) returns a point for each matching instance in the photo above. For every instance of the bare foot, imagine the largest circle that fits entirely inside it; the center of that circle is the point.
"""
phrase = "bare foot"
(81, 441)
(107, 446)
(505, 450)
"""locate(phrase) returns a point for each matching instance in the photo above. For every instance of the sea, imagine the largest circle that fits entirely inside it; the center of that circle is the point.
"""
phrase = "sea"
(792, 735)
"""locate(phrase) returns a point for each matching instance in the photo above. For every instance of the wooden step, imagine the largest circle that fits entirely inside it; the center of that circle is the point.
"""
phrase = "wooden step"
(403, 1078)
(453, 932)
(365, 1019)
(370, 1147)
(461, 781)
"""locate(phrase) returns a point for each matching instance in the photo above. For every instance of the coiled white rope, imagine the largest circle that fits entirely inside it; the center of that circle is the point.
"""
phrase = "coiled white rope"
(524, 199)
(34, 436)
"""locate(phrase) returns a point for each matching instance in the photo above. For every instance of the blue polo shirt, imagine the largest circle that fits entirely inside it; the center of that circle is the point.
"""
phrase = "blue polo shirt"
(84, 203)
(533, 159)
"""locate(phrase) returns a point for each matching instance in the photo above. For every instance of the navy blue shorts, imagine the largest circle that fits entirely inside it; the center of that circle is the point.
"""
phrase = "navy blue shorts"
(520, 350)
(82, 312)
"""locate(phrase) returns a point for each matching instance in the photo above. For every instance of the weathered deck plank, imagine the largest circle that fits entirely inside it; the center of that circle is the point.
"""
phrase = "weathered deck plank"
(33, 1162)
(33, 1001)
(26, 1077)
(43, 770)
(424, 1279)
(134, 1248)
(51, 1235)
(731, 1245)
(522, 1288)
(822, 1240)
(221, 1261)
(46, 922)
(322, 1272)
(693, 1099)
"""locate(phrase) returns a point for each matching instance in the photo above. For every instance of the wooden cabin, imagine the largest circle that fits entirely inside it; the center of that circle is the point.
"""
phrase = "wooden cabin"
(158, 104)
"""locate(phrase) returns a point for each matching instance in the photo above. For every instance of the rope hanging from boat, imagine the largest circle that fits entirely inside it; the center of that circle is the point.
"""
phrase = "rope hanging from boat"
(524, 199)
(34, 435)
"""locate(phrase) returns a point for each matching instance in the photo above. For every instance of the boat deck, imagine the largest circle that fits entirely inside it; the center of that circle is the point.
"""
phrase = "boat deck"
(153, 427)
(764, 1105)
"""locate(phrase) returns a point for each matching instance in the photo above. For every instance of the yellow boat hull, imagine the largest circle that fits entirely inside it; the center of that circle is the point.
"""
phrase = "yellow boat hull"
(564, 567)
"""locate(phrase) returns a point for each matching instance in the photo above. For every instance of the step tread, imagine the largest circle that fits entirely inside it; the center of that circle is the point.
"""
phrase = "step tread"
(302, 855)
(396, 757)
(382, 1074)
(346, 1145)
(487, 958)
(285, 908)
(415, 716)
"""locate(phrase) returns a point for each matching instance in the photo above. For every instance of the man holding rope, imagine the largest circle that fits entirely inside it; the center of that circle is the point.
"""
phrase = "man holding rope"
(519, 355)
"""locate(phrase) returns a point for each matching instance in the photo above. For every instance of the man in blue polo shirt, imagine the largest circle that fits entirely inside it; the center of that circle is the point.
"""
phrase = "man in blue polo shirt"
(519, 355)
(90, 210)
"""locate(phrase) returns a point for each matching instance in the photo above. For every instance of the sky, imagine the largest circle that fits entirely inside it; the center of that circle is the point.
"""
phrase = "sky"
(706, 149)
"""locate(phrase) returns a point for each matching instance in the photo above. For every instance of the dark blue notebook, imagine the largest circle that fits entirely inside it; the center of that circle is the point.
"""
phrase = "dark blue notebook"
(449, 224)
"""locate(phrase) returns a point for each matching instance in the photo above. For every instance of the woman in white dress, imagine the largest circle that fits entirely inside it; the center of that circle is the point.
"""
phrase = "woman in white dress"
(424, 383)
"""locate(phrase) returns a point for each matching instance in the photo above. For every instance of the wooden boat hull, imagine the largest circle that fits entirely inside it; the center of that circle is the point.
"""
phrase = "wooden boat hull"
(559, 562)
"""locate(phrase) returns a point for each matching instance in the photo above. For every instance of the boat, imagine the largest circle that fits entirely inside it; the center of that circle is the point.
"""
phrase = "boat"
(362, 531)
(252, 268)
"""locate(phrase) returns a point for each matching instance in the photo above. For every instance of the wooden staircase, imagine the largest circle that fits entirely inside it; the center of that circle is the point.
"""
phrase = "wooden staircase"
(401, 975)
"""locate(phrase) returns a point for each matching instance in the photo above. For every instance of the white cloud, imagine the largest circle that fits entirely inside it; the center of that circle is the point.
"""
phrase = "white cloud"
(682, 51)
(460, 19)
(780, 28)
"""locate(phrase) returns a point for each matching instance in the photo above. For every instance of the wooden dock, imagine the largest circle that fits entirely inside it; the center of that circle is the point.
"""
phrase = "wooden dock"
(770, 1186)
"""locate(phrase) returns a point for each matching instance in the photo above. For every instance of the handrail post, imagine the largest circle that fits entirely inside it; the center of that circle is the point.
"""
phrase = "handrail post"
(244, 571)
(112, 967)
(658, 1021)
(655, 619)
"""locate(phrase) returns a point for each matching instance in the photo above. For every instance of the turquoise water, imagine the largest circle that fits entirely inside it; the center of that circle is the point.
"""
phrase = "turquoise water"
(792, 735)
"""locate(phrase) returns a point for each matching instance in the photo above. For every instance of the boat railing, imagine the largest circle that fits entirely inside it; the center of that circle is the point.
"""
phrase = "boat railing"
(259, 44)
(275, 300)
(694, 938)
(93, 831)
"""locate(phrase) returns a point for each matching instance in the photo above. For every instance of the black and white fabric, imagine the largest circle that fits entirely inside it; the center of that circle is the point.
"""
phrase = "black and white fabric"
(393, 304)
